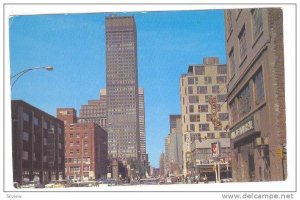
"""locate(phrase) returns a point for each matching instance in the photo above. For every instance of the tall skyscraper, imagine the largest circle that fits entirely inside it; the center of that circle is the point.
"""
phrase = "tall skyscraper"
(122, 88)
(203, 107)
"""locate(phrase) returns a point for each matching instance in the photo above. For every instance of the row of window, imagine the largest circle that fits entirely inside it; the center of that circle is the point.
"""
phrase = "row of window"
(207, 80)
(85, 160)
(77, 168)
(249, 97)
(200, 70)
(77, 152)
(202, 90)
(193, 99)
(257, 28)
(196, 117)
(203, 127)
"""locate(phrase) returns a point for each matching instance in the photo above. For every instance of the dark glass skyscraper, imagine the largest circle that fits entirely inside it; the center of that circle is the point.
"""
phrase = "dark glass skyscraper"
(122, 88)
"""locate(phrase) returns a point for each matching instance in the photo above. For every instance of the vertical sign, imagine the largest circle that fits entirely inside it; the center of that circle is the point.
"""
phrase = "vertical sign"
(215, 149)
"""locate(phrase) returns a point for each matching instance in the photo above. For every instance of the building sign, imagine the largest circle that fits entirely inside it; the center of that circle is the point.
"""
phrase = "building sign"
(244, 128)
(215, 149)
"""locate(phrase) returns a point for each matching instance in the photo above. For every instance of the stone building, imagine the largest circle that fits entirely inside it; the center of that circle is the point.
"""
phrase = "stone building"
(203, 105)
(256, 93)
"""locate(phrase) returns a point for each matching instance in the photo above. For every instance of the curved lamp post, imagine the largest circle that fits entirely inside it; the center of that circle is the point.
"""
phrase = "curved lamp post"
(15, 77)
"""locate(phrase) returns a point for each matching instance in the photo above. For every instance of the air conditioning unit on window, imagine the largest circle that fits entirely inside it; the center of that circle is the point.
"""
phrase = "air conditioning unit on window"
(259, 141)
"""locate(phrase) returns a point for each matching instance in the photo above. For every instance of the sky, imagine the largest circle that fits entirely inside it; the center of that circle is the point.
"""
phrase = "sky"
(74, 44)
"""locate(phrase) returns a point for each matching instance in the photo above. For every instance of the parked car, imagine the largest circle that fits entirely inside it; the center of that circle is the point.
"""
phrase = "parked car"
(58, 184)
(32, 184)
(226, 180)
(17, 185)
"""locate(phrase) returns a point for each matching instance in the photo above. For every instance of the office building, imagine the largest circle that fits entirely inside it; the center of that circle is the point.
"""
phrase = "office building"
(37, 144)
(95, 111)
(173, 147)
(203, 105)
(122, 88)
(256, 94)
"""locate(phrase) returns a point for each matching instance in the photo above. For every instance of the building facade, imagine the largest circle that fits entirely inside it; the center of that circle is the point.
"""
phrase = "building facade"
(173, 147)
(254, 48)
(38, 144)
(85, 148)
(214, 164)
(122, 88)
(142, 127)
(174, 122)
(203, 105)
(95, 111)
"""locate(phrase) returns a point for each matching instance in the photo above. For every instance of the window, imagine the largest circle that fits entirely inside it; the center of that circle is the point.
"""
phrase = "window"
(233, 111)
(257, 22)
(232, 63)
(202, 108)
(192, 80)
(203, 127)
(215, 89)
(221, 79)
(221, 98)
(218, 128)
(223, 116)
(191, 108)
(244, 102)
(194, 118)
(192, 127)
(25, 136)
(194, 99)
(85, 151)
(74, 168)
(223, 135)
(207, 98)
(71, 144)
(77, 135)
(207, 80)
(35, 121)
(200, 70)
(259, 88)
(190, 89)
(222, 69)
(201, 89)
(71, 135)
(210, 135)
(208, 117)
(228, 22)
(242, 43)
(25, 117)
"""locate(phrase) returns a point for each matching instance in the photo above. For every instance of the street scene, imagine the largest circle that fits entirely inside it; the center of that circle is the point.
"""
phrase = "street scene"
(108, 100)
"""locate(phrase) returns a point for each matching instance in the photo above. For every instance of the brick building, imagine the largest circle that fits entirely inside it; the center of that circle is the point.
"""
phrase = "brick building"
(85, 147)
(38, 144)
(254, 48)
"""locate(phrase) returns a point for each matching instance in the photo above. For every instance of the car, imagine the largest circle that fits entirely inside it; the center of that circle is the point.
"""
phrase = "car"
(32, 184)
(226, 180)
(58, 184)
(17, 185)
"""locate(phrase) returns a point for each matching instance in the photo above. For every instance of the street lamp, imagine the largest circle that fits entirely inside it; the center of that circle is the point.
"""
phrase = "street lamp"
(15, 77)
